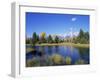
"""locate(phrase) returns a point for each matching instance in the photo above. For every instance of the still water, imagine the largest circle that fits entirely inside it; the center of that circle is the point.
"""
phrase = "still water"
(56, 55)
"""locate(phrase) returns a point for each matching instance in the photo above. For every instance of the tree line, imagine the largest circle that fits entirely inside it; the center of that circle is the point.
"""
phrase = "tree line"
(83, 38)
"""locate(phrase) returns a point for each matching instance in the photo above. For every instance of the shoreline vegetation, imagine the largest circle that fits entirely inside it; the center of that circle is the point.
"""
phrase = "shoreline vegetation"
(82, 39)
(61, 44)
(64, 44)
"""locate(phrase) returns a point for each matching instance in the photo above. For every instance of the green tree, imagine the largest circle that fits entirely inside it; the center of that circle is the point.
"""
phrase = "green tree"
(56, 39)
(28, 41)
(81, 34)
(82, 38)
(34, 38)
(86, 36)
(37, 38)
(49, 39)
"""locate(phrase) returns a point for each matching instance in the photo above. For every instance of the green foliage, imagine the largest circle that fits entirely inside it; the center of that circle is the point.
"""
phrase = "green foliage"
(57, 59)
(28, 41)
(82, 38)
(80, 61)
(32, 62)
(68, 60)
(49, 39)
(56, 39)
(86, 36)
(35, 38)
(81, 34)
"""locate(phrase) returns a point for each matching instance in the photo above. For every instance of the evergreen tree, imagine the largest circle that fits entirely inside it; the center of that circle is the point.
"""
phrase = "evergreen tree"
(81, 34)
(56, 39)
(34, 38)
(50, 40)
(83, 37)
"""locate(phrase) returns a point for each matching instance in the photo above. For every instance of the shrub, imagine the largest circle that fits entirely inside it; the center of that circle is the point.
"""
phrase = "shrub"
(80, 61)
(57, 59)
(68, 60)
(32, 62)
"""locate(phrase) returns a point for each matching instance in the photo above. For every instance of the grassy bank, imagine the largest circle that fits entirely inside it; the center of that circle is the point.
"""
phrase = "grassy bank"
(63, 44)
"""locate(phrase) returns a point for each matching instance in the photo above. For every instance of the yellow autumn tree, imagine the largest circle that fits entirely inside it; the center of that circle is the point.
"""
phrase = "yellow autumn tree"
(43, 37)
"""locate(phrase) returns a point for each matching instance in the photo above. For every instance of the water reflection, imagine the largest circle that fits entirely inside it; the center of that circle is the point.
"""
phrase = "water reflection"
(57, 55)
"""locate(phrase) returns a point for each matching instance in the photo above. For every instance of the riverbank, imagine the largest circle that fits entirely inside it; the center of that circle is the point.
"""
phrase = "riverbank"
(63, 44)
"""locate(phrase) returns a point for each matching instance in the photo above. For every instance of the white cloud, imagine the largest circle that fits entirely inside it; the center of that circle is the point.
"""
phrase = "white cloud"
(73, 19)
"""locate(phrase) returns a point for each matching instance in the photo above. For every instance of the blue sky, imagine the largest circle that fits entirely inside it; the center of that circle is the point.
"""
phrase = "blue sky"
(55, 23)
